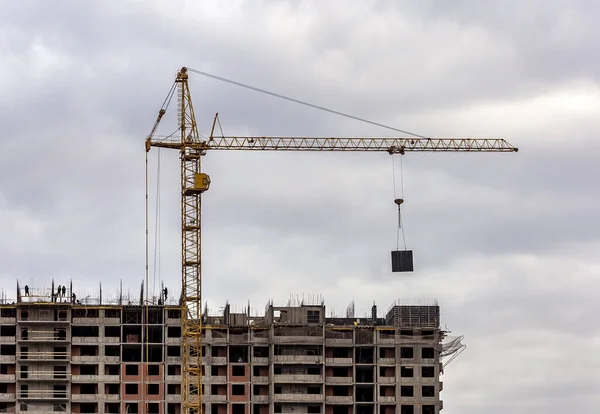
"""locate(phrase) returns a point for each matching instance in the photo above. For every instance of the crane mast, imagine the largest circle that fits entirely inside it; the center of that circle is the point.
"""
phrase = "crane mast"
(194, 182)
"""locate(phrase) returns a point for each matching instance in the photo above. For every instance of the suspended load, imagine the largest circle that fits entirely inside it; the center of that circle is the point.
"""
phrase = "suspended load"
(402, 261)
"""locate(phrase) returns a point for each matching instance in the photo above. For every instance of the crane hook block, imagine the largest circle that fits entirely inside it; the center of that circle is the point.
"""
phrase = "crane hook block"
(201, 182)
(399, 201)
(402, 261)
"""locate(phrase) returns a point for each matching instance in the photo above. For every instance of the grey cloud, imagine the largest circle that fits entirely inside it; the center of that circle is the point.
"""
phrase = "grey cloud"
(72, 167)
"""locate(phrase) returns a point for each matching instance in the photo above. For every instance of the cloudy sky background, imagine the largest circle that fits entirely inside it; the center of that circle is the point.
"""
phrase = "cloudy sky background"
(508, 243)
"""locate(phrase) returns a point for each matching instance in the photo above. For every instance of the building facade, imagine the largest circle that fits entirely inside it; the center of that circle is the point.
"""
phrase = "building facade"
(66, 357)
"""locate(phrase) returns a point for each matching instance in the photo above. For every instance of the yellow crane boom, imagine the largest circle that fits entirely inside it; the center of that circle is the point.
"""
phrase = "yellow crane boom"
(194, 182)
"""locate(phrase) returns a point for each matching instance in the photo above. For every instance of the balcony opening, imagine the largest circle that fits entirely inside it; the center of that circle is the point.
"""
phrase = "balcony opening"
(387, 372)
(428, 409)
(8, 330)
(260, 352)
(24, 374)
(112, 331)
(131, 334)
(218, 351)
(387, 391)
(238, 389)
(175, 408)
(153, 389)
(407, 391)
(153, 353)
(427, 372)
(132, 353)
(112, 369)
(365, 409)
(88, 389)
(132, 370)
(174, 332)
(152, 408)
(88, 407)
(153, 370)
(313, 409)
(155, 335)
(131, 408)
(112, 389)
(406, 332)
(112, 350)
(238, 408)
(175, 370)
(364, 374)
(365, 394)
(407, 372)
(85, 331)
(341, 391)
(238, 354)
(173, 389)
(8, 313)
(387, 352)
(341, 409)
(364, 355)
(278, 408)
(427, 353)
(131, 389)
(341, 352)
(407, 352)
(112, 408)
(238, 371)
(427, 391)
(173, 351)
(24, 315)
(408, 409)
(88, 370)
(8, 350)
(343, 372)
(3, 388)
(86, 350)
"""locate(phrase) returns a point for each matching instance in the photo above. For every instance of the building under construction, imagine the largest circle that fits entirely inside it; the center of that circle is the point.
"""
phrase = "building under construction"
(59, 353)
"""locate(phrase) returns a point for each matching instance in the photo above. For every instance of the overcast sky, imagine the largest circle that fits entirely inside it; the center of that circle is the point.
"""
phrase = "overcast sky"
(508, 243)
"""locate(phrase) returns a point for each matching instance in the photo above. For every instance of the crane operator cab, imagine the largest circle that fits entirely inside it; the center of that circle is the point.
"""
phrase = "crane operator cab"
(201, 182)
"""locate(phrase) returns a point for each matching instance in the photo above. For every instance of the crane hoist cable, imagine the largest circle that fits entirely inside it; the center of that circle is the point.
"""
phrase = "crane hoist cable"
(399, 201)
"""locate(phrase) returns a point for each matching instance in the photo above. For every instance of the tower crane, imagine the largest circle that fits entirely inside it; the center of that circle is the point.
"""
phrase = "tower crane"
(194, 183)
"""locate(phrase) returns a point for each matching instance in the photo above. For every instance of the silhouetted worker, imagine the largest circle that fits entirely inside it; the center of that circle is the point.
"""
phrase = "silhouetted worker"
(73, 298)
(166, 292)
(58, 291)
(64, 291)
(26, 290)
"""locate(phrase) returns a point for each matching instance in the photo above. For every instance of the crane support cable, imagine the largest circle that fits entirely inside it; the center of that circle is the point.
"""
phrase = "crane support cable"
(298, 101)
